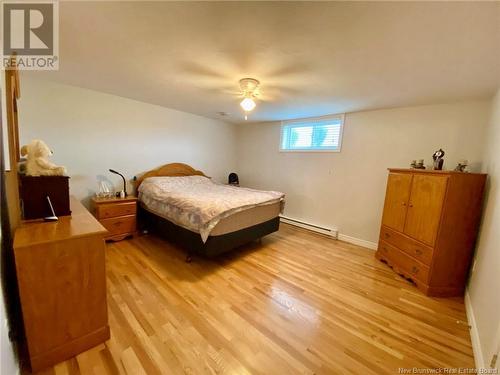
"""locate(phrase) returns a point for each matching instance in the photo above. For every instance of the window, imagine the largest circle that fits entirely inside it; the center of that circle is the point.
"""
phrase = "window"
(312, 134)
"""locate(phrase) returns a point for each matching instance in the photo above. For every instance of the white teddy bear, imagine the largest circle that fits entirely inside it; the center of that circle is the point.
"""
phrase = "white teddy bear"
(37, 163)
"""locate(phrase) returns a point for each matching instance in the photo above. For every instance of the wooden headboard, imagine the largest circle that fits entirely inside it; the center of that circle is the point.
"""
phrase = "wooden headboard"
(170, 170)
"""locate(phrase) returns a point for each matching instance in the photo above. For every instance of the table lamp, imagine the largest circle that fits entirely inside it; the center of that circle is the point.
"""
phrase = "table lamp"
(124, 191)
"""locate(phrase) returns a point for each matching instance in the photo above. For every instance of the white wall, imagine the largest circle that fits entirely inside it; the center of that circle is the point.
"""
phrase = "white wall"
(346, 190)
(91, 132)
(484, 297)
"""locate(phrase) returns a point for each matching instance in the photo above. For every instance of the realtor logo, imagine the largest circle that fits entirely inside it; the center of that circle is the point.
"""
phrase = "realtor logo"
(31, 34)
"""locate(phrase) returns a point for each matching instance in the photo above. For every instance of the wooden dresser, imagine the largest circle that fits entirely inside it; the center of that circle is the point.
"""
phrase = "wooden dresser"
(62, 285)
(117, 215)
(429, 227)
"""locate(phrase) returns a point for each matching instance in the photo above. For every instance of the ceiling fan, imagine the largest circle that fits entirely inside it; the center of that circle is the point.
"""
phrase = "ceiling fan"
(249, 91)
(279, 81)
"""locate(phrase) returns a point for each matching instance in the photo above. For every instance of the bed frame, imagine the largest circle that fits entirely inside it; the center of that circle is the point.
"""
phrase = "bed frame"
(169, 170)
(190, 240)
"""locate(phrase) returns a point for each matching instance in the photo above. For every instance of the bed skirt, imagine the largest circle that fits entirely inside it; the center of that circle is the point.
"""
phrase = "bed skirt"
(191, 241)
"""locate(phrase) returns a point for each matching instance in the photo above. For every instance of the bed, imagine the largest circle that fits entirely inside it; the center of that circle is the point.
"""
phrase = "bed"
(206, 218)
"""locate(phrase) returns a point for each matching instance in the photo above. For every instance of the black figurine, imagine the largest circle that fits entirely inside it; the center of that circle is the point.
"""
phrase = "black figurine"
(438, 158)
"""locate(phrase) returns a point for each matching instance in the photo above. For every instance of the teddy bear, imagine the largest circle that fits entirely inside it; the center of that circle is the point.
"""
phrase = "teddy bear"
(37, 160)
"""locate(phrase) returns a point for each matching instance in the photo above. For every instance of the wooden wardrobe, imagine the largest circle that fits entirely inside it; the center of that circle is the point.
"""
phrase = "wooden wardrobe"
(429, 227)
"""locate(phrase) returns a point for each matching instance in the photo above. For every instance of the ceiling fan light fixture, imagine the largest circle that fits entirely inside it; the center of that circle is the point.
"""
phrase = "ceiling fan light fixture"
(249, 85)
(247, 104)
(249, 90)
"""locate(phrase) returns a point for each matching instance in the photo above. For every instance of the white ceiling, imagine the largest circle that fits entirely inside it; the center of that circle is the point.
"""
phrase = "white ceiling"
(311, 58)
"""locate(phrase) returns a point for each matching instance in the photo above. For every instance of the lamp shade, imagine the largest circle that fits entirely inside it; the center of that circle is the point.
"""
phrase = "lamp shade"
(247, 104)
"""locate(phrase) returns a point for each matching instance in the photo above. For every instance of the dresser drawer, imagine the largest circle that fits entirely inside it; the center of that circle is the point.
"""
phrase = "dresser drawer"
(410, 266)
(119, 225)
(104, 211)
(411, 247)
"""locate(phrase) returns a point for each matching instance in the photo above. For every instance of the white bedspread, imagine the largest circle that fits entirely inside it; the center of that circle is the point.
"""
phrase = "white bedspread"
(197, 203)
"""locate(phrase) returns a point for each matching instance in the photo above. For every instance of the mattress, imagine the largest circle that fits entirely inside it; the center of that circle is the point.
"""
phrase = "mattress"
(200, 205)
(239, 220)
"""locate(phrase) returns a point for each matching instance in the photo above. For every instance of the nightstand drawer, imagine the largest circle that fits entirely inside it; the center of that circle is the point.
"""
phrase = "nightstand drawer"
(104, 211)
(119, 225)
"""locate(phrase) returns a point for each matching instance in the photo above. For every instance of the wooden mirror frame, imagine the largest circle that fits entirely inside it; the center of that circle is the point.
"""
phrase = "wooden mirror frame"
(13, 93)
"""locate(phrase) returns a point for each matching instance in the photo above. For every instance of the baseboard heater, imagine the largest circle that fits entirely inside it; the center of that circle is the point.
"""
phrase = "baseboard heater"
(312, 227)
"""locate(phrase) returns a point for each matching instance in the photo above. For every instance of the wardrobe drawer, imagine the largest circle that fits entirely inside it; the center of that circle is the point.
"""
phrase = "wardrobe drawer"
(113, 210)
(404, 262)
(119, 225)
(411, 247)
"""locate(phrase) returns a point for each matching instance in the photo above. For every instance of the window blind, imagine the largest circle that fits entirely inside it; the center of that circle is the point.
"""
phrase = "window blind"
(314, 134)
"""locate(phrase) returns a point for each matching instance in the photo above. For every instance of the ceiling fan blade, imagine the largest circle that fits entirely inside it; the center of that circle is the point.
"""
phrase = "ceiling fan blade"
(297, 68)
(195, 69)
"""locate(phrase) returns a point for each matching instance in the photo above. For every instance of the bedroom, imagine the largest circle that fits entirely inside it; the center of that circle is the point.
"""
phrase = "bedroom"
(140, 85)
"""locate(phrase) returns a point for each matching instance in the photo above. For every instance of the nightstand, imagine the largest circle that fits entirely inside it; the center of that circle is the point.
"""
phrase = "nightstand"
(117, 215)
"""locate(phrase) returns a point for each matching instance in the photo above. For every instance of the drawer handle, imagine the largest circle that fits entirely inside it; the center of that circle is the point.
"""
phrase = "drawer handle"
(404, 203)
(418, 252)
(118, 223)
(410, 205)
(384, 248)
(387, 235)
(414, 270)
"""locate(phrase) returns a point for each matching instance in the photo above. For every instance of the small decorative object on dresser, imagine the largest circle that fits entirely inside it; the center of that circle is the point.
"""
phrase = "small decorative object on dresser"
(117, 215)
(438, 159)
(462, 166)
(419, 165)
(37, 160)
(429, 227)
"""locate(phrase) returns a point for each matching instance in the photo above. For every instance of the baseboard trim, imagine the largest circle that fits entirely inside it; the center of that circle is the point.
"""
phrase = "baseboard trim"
(474, 333)
(326, 231)
(358, 241)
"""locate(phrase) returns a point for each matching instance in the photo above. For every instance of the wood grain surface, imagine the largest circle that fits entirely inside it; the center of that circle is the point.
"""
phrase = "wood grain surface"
(60, 268)
(440, 224)
(299, 303)
(169, 170)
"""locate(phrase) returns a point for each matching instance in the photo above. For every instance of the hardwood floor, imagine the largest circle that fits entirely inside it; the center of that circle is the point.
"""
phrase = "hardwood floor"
(298, 303)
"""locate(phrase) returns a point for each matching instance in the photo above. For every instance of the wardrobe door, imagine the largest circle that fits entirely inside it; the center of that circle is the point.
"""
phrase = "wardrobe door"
(424, 208)
(396, 200)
